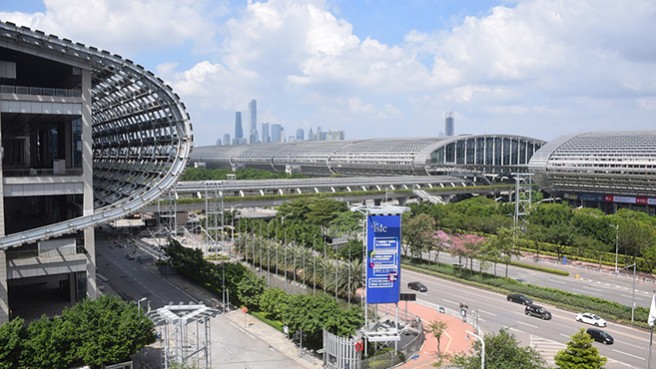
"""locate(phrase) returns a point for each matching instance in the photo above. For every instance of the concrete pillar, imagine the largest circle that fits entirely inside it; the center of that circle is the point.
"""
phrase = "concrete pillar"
(4, 295)
(87, 176)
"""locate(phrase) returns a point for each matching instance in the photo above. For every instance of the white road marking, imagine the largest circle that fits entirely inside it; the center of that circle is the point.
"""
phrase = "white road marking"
(528, 325)
(627, 354)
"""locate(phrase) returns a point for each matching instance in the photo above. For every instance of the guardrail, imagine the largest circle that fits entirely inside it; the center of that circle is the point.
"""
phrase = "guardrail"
(39, 91)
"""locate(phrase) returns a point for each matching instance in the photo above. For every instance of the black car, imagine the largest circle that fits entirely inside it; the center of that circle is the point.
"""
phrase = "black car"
(538, 311)
(600, 336)
(519, 298)
(417, 286)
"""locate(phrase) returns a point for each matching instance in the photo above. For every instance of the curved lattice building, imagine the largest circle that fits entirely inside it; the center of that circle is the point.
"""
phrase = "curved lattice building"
(599, 167)
(87, 137)
(489, 154)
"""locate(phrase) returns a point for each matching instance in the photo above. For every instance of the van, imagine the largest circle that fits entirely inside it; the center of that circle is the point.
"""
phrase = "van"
(537, 311)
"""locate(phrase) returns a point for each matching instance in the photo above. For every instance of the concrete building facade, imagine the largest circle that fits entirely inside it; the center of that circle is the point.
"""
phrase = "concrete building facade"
(87, 137)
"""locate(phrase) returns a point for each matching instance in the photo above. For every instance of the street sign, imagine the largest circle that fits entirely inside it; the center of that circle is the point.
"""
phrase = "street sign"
(408, 297)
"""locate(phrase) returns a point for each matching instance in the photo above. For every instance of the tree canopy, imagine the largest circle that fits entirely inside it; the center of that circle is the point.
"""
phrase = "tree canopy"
(580, 353)
(92, 332)
(502, 352)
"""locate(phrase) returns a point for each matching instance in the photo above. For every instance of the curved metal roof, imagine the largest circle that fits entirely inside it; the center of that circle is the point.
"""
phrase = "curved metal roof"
(598, 162)
(383, 155)
(141, 132)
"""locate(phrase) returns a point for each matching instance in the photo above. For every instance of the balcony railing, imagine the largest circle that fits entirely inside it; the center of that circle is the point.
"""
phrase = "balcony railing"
(31, 172)
(40, 91)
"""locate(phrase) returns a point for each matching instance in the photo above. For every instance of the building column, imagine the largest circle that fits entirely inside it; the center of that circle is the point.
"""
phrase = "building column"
(87, 176)
(4, 292)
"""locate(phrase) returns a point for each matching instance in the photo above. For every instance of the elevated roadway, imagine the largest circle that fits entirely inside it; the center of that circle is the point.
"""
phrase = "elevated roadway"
(351, 189)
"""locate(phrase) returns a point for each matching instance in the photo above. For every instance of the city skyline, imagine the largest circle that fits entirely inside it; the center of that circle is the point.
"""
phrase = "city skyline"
(272, 132)
(534, 68)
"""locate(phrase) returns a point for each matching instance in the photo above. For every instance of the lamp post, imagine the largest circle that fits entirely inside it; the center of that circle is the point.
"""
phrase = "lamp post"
(139, 304)
(633, 304)
(482, 347)
(617, 230)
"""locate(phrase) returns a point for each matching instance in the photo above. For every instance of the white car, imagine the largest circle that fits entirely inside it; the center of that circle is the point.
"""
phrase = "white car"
(590, 318)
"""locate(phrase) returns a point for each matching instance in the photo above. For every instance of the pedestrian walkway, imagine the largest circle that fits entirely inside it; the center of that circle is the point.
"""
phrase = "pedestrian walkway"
(453, 341)
(274, 338)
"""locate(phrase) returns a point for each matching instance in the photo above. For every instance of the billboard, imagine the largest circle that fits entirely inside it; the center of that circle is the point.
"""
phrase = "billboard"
(383, 258)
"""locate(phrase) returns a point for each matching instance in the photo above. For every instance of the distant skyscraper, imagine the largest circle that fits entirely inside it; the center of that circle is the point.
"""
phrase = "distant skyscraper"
(449, 124)
(276, 133)
(252, 115)
(239, 130)
(266, 138)
(300, 134)
(226, 139)
(334, 135)
(218, 142)
(311, 136)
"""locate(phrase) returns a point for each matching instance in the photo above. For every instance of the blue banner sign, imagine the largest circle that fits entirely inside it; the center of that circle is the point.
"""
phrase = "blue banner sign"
(383, 258)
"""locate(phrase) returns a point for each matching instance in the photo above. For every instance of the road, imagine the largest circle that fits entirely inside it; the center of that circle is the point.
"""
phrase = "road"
(629, 351)
(608, 286)
(232, 346)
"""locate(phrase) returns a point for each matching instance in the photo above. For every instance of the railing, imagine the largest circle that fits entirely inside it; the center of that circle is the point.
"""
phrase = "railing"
(393, 358)
(12, 254)
(39, 91)
(32, 172)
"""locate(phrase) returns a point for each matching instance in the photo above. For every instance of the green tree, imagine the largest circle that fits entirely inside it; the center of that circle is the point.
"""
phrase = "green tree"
(437, 328)
(12, 335)
(418, 234)
(109, 330)
(51, 343)
(502, 352)
(580, 353)
(502, 246)
(323, 210)
(249, 290)
(273, 302)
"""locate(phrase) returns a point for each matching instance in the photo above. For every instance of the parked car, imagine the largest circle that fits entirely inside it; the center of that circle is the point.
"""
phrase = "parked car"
(129, 257)
(417, 286)
(600, 336)
(519, 298)
(590, 318)
(538, 311)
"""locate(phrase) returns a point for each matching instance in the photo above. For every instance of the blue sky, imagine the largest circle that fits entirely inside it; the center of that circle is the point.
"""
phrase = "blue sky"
(382, 68)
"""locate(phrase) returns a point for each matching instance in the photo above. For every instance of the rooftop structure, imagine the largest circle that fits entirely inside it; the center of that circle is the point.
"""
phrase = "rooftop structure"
(610, 167)
(489, 154)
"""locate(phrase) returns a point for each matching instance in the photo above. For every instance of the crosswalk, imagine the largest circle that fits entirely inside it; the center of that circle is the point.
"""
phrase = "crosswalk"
(549, 348)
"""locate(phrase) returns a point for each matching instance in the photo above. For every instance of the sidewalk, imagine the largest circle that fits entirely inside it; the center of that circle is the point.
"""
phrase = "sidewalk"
(273, 337)
(453, 340)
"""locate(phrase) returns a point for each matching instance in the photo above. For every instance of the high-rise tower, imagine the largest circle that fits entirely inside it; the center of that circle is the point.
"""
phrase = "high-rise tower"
(239, 130)
(252, 115)
(448, 124)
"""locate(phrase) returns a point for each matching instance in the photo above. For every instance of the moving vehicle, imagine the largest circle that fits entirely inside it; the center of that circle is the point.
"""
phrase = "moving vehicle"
(590, 318)
(417, 286)
(600, 336)
(519, 298)
(537, 311)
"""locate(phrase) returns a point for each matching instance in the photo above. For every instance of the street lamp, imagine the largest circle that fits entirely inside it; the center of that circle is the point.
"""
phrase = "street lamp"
(139, 304)
(482, 347)
(617, 230)
(634, 288)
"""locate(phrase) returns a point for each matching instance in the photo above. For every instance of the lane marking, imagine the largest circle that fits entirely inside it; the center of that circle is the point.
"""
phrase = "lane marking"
(528, 325)
(627, 354)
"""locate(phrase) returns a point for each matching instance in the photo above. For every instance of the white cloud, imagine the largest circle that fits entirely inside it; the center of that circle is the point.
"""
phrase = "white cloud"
(127, 26)
(536, 67)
